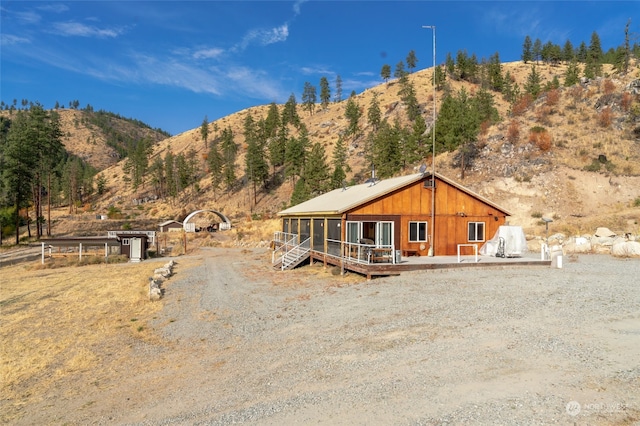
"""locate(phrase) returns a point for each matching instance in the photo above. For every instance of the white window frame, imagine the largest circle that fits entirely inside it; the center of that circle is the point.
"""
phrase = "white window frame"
(349, 227)
(384, 233)
(426, 231)
(475, 231)
(125, 241)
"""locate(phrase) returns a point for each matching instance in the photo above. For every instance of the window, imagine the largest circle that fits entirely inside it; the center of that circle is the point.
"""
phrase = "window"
(417, 232)
(125, 241)
(353, 232)
(476, 231)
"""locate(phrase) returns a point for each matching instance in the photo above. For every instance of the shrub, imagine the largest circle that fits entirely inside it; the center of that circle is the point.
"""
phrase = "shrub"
(521, 105)
(542, 115)
(609, 87)
(605, 117)
(536, 215)
(626, 101)
(114, 213)
(553, 96)
(540, 138)
(636, 202)
(594, 166)
(513, 132)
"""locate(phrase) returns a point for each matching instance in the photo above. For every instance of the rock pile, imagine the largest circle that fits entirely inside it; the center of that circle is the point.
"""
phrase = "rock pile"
(603, 241)
(159, 276)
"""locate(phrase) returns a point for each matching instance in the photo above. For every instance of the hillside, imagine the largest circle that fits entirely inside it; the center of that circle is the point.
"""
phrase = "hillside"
(587, 176)
(100, 138)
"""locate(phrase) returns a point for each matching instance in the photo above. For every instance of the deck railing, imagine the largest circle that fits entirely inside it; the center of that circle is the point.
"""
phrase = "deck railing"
(295, 254)
(364, 253)
(284, 241)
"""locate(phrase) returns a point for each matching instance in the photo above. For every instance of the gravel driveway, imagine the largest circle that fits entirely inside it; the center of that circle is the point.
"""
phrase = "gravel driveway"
(241, 343)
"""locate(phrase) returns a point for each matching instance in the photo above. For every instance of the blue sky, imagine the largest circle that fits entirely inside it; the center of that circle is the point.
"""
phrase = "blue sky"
(170, 63)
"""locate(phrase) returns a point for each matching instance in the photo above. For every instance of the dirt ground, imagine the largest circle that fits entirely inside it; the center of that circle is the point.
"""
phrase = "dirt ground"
(234, 341)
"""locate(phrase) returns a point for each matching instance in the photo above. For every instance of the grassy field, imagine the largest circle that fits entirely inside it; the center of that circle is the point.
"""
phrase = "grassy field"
(59, 324)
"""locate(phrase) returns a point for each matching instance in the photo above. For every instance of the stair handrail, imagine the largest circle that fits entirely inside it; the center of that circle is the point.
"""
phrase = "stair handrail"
(300, 251)
(282, 240)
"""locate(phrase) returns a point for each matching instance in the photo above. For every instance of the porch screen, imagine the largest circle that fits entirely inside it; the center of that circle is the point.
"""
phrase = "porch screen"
(318, 235)
(305, 229)
(333, 236)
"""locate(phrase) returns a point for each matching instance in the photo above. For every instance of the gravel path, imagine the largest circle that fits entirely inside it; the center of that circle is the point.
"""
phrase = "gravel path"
(241, 343)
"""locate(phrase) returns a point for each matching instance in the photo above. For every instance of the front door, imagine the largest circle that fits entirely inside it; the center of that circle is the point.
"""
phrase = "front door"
(136, 249)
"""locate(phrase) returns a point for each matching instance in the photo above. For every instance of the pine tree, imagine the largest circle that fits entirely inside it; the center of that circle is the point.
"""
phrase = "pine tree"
(567, 52)
(385, 72)
(527, 52)
(412, 60)
(272, 122)
(277, 148)
(170, 173)
(537, 50)
(440, 76)
(295, 155)
(290, 112)
(387, 154)
(407, 94)
(582, 52)
(300, 193)
(532, 86)
(204, 131)
(400, 71)
(593, 66)
(18, 168)
(352, 113)
(450, 65)
(373, 114)
(216, 167)
(507, 87)
(339, 161)
(572, 74)
(495, 73)
(229, 153)
(256, 168)
(309, 97)
(338, 88)
(325, 93)
(418, 136)
(316, 175)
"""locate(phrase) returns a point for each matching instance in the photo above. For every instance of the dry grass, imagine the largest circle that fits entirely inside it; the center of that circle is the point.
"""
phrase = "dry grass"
(57, 324)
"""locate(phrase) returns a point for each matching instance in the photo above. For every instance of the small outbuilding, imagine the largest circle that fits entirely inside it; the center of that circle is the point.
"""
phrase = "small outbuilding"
(170, 225)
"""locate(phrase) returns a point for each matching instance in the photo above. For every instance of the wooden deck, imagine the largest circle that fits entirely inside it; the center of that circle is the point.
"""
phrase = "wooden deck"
(419, 263)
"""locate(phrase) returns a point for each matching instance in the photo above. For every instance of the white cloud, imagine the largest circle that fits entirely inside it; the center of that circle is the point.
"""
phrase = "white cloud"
(316, 70)
(81, 30)
(29, 17)
(9, 39)
(296, 6)
(55, 7)
(264, 36)
(254, 83)
(208, 53)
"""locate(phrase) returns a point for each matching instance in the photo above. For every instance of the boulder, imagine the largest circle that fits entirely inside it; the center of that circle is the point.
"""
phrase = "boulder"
(626, 249)
(604, 232)
(578, 245)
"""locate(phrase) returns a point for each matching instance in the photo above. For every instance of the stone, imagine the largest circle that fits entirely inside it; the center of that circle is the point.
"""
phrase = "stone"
(604, 232)
(626, 249)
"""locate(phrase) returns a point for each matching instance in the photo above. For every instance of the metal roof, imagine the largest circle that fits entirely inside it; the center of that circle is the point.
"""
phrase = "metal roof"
(342, 200)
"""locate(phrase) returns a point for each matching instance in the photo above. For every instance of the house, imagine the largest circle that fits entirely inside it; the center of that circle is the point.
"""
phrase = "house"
(170, 225)
(385, 219)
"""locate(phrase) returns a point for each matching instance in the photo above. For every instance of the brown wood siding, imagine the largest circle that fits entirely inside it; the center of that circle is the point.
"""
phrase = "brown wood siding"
(454, 209)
